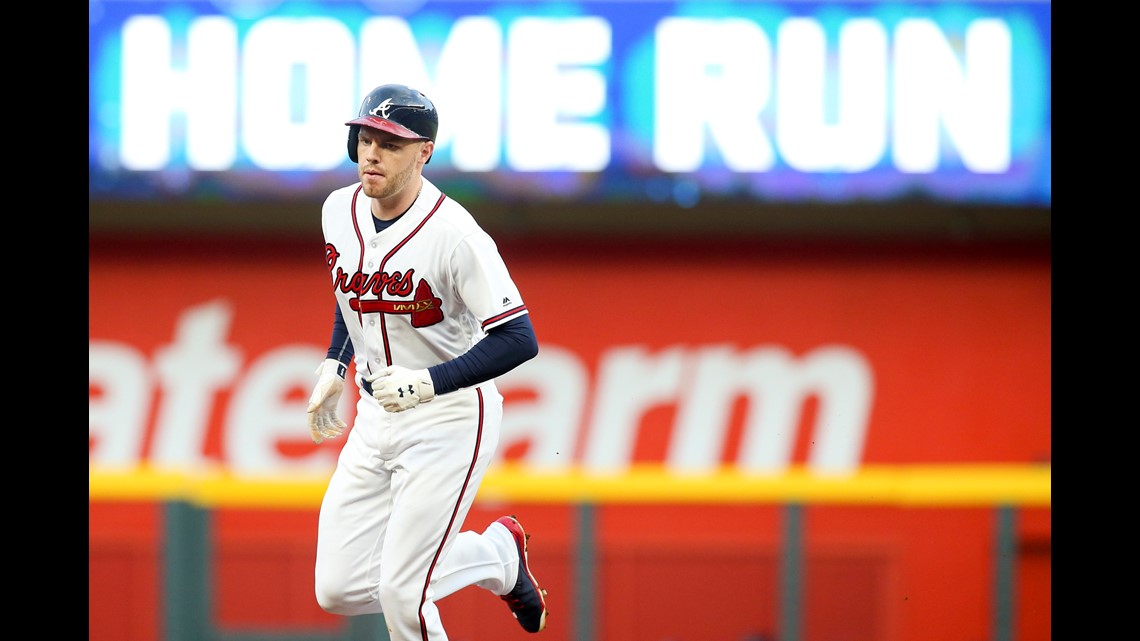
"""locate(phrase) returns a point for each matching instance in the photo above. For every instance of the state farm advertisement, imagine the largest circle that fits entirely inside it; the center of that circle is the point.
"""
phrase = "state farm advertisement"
(202, 355)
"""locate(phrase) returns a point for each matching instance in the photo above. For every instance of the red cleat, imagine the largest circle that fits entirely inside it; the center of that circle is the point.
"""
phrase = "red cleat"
(526, 600)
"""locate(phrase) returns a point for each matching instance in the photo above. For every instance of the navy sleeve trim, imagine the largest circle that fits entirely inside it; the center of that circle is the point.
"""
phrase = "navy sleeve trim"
(496, 318)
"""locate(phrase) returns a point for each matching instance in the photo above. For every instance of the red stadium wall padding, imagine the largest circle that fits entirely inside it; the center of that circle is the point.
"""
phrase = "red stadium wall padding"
(912, 356)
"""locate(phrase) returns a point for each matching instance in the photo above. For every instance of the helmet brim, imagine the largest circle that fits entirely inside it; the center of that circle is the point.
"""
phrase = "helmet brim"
(386, 125)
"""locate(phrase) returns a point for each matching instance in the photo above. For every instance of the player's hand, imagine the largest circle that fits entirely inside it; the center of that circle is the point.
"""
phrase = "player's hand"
(399, 388)
(323, 421)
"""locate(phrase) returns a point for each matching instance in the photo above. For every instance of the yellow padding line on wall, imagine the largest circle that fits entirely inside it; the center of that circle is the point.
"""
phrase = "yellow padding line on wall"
(963, 485)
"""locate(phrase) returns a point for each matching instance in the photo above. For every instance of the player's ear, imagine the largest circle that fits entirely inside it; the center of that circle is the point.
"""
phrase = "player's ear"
(427, 150)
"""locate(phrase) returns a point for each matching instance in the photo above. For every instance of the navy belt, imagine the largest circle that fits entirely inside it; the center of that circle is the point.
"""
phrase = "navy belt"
(366, 385)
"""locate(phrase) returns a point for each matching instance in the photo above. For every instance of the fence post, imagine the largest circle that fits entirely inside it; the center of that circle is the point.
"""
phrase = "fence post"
(186, 582)
(791, 573)
(1005, 561)
(585, 580)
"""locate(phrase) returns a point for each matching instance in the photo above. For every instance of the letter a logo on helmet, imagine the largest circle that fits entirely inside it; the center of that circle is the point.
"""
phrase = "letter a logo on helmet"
(382, 108)
(396, 109)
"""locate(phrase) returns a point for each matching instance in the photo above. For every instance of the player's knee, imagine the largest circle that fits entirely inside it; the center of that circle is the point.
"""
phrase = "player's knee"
(332, 601)
(399, 602)
(335, 600)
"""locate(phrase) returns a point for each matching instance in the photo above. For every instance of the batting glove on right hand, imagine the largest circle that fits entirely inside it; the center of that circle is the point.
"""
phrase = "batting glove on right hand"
(399, 388)
(323, 421)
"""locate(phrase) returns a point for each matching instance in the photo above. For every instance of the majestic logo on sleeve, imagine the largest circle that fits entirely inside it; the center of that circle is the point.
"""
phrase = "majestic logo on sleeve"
(424, 307)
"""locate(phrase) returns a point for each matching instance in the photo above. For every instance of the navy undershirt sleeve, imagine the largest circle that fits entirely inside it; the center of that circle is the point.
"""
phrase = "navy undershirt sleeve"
(504, 348)
(340, 347)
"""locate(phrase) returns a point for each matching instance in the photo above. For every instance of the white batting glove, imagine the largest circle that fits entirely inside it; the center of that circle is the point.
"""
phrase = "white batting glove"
(323, 421)
(399, 388)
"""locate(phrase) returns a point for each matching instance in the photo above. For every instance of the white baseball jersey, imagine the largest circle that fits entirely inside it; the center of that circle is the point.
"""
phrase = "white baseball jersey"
(421, 292)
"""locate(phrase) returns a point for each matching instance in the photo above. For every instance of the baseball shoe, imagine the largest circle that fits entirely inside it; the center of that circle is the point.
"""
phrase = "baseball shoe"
(526, 600)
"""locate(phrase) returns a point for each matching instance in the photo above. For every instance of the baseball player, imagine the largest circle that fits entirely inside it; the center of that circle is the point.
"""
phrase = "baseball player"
(426, 306)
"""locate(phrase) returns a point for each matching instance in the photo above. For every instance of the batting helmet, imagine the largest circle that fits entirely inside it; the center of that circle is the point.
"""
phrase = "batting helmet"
(397, 109)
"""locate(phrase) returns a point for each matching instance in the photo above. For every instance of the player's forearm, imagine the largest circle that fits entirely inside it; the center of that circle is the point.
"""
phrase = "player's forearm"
(503, 349)
(340, 345)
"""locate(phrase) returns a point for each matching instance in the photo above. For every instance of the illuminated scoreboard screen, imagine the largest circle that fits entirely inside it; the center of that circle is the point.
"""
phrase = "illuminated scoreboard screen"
(674, 102)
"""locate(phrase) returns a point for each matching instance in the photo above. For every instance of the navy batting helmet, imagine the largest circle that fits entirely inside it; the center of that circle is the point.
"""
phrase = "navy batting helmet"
(397, 109)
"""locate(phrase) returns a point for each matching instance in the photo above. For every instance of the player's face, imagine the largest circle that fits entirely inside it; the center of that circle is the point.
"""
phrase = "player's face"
(387, 163)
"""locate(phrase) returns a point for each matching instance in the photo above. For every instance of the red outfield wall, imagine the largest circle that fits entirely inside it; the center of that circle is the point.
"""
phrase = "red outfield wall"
(757, 356)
